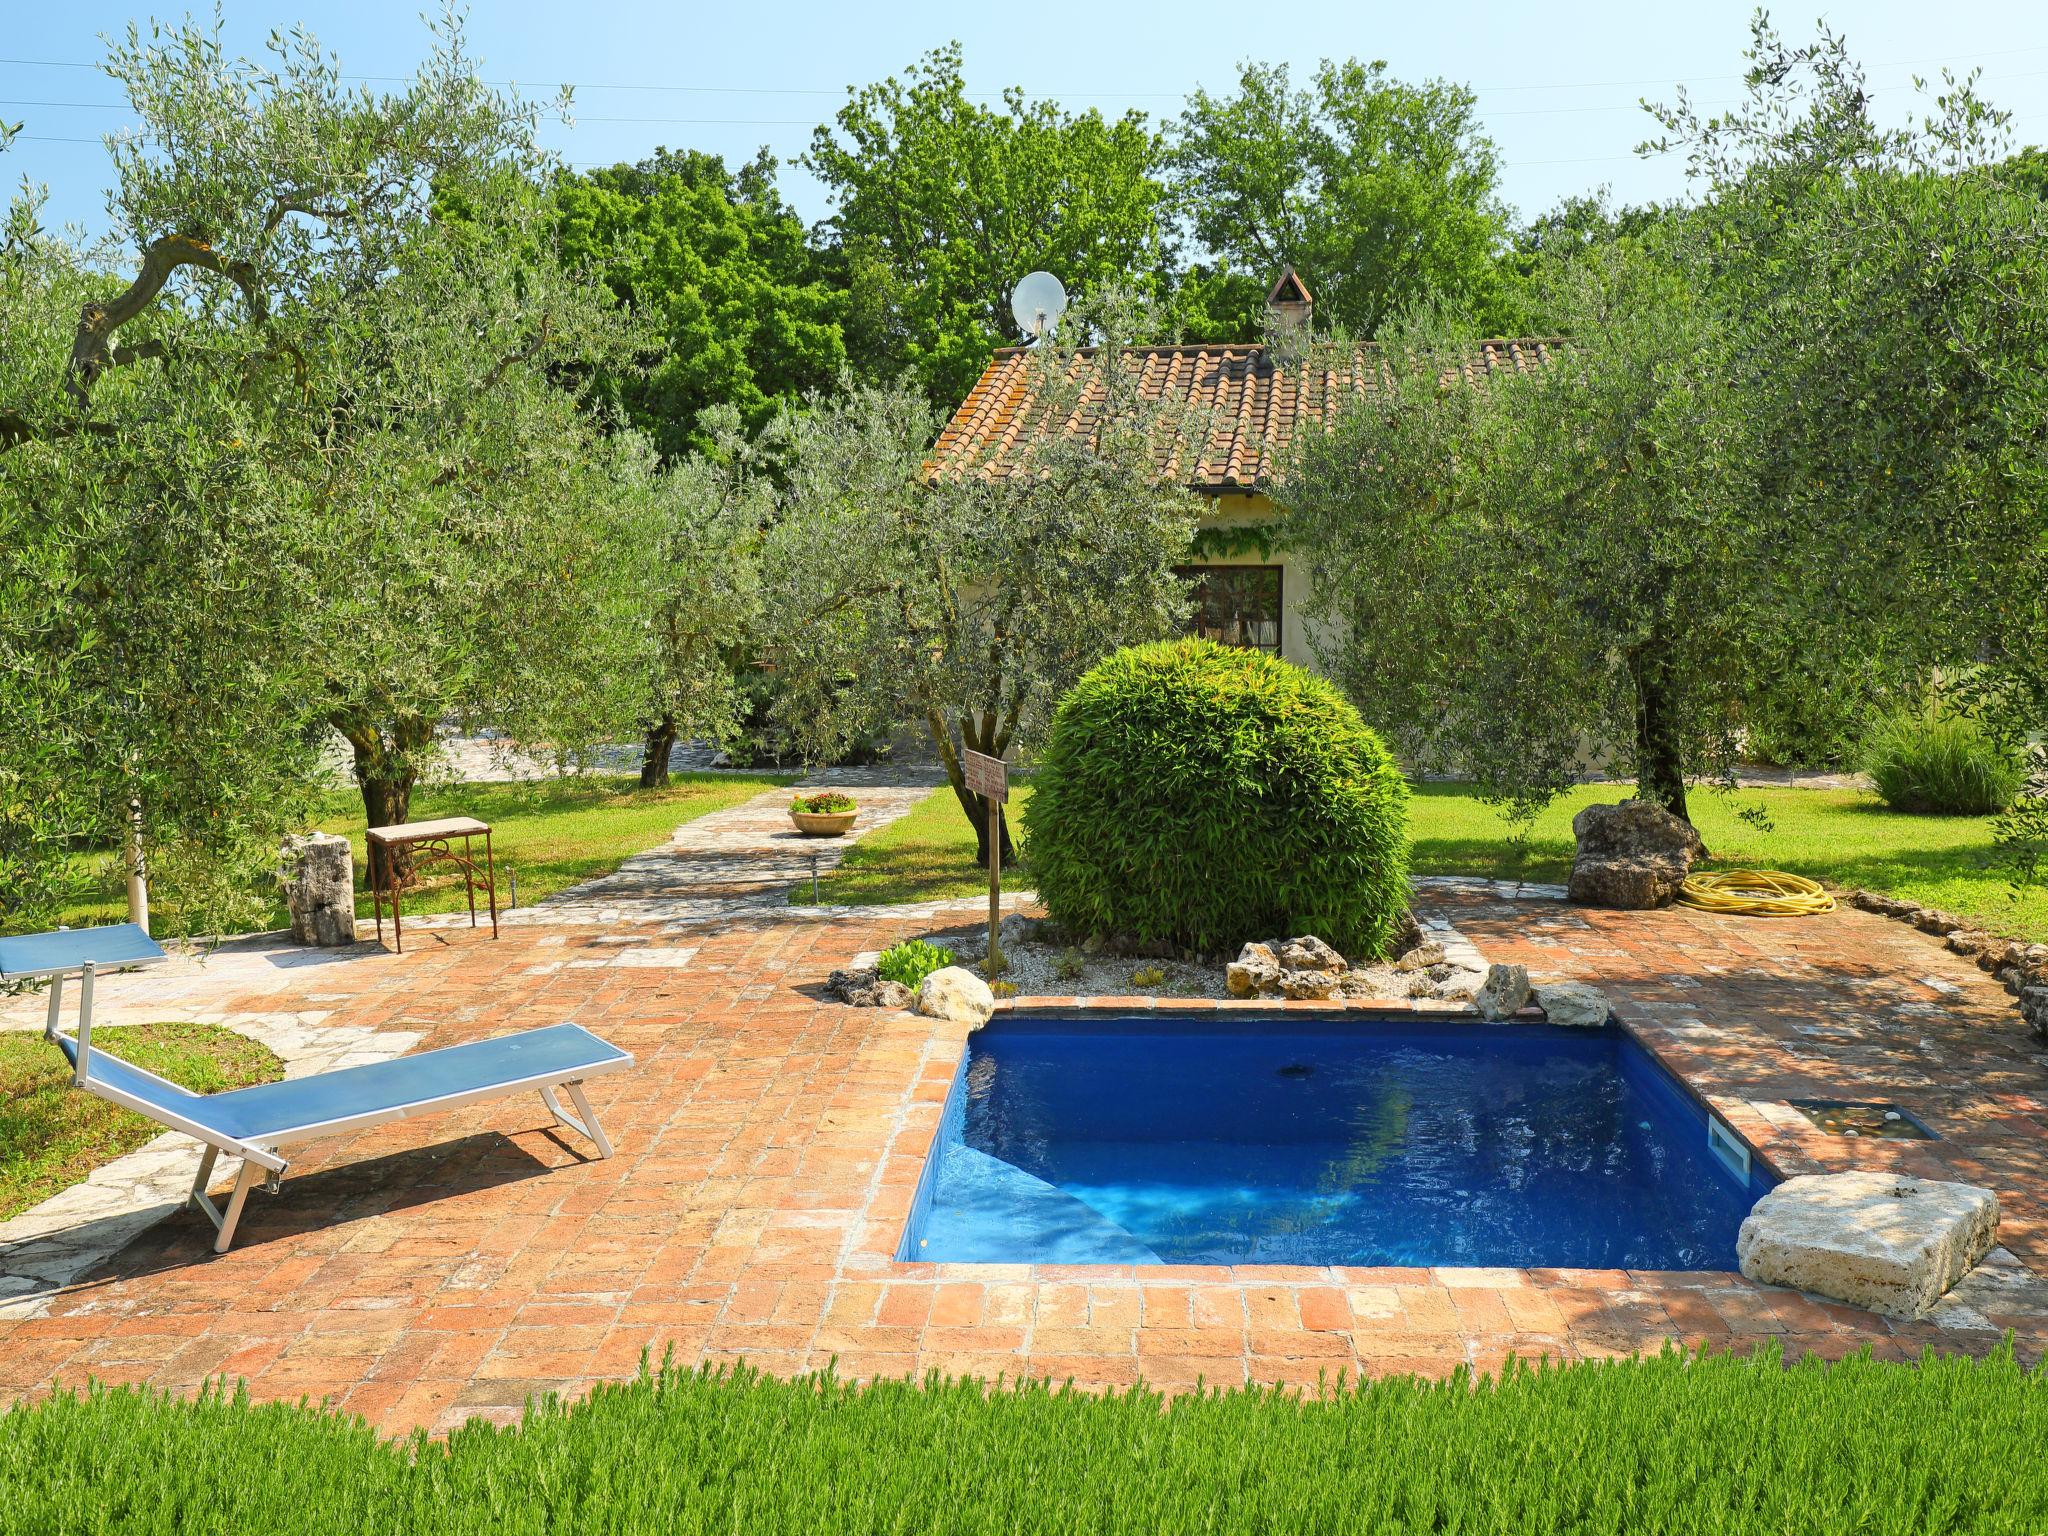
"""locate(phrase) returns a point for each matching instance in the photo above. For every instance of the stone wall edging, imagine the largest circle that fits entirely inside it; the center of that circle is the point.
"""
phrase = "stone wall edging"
(2021, 968)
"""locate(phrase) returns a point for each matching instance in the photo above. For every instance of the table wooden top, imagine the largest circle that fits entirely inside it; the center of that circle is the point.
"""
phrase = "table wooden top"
(421, 831)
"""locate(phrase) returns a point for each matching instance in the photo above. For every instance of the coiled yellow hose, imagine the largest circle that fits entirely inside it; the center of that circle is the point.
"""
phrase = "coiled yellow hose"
(1755, 893)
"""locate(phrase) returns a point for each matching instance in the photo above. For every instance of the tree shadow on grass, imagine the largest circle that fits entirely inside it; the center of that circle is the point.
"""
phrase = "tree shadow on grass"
(1538, 859)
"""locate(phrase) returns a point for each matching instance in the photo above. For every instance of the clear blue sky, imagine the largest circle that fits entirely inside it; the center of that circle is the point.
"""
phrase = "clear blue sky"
(1558, 84)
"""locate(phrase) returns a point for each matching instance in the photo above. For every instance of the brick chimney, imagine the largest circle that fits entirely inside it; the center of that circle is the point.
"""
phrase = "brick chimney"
(1288, 305)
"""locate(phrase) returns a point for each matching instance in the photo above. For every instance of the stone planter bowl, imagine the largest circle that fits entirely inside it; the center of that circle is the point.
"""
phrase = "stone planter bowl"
(824, 823)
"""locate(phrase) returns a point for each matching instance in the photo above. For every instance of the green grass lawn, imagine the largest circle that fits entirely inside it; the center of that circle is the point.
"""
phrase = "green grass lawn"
(1687, 1445)
(558, 832)
(927, 855)
(554, 832)
(1843, 836)
(51, 1135)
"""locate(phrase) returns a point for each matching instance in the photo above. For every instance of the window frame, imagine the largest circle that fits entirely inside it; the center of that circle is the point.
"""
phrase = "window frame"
(1196, 574)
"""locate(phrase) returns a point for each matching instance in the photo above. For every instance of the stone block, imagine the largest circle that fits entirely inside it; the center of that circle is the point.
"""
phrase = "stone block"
(2034, 1009)
(1255, 970)
(1884, 1241)
(1305, 984)
(1425, 953)
(1573, 1003)
(863, 987)
(1309, 953)
(1633, 855)
(319, 875)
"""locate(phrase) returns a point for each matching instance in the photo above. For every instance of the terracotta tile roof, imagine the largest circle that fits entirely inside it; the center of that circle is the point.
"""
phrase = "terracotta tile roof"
(1255, 402)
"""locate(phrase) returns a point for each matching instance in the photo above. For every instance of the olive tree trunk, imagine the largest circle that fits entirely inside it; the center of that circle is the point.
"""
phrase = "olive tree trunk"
(660, 741)
(1660, 753)
(989, 734)
(386, 769)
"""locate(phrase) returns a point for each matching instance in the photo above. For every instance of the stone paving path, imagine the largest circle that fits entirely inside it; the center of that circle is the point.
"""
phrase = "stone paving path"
(742, 859)
(770, 1143)
(746, 858)
(47, 1247)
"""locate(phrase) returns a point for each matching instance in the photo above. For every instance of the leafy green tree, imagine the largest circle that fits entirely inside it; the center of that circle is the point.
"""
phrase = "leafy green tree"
(307, 466)
(1577, 226)
(712, 512)
(1884, 288)
(142, 593)
(1505, 575)
(738, 308)
(1792, 448)
(1380, 193)
(939, 206)
(967, 603)
(2026, 171)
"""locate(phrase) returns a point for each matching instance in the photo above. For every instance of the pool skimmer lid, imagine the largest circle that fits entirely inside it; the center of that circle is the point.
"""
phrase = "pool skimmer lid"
(1846, 1117)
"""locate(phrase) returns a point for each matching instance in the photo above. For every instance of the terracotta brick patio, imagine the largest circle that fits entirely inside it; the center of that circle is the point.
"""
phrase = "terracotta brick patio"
(770, 1141)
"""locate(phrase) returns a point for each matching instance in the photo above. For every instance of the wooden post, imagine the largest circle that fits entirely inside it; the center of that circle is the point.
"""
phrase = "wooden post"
(996, 962)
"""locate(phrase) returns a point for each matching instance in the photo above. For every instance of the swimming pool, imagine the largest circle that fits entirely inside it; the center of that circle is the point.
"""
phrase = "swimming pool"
(1301, 1139)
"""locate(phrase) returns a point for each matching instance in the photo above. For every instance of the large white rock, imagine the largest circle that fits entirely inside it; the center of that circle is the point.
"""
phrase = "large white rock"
(1504, 992)
(1309, 953)
(1572, 1002)
(958, 994)
(1883, 1241)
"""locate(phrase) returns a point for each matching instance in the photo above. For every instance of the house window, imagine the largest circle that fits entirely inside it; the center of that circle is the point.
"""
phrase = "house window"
(1235, 604)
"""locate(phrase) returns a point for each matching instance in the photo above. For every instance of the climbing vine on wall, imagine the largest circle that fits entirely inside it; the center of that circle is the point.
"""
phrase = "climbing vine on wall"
(1233, 543)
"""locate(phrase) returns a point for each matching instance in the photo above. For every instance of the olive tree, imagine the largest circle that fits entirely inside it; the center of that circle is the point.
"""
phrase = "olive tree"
(296, 451)
(1515, 572)
(964, 602)
(711, 511)
(1884, 291)
(1788, 460)
(144, 595)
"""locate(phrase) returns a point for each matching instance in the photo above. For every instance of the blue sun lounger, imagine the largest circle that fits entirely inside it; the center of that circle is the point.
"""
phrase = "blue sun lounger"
(251, 1123)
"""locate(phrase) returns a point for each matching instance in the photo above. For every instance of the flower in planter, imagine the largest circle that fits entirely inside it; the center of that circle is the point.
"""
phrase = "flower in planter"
(825, 803)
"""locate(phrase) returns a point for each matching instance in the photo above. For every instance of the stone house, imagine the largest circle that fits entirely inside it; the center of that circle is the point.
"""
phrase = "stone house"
(1248, 590)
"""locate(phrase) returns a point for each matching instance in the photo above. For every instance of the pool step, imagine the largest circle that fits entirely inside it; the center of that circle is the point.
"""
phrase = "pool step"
(990, 1212)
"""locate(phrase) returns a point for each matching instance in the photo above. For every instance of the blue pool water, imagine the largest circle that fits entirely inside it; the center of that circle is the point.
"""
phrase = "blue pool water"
(1207, 1140)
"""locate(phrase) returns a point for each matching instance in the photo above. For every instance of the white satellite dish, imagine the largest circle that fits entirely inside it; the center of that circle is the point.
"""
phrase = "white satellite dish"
(1038, 301)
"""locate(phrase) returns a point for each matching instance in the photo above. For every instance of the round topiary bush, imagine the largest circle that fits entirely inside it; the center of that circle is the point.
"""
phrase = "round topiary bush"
(1203, 796)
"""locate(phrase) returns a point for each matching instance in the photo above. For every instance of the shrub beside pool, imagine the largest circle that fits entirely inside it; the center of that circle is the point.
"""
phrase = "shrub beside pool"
(1201, 796)
(1672, 1444)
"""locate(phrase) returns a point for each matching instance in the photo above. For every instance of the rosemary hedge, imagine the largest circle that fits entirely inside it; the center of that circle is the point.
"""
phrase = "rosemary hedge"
(1199, 795)
(1672, 1444)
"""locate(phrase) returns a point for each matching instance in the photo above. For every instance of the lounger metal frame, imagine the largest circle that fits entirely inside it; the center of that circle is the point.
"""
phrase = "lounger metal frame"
(259, 1155)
